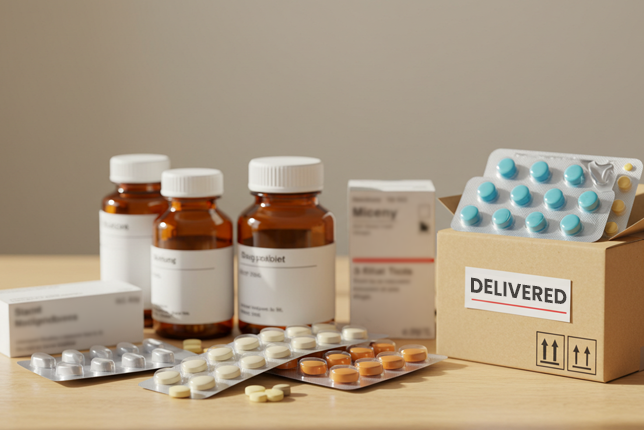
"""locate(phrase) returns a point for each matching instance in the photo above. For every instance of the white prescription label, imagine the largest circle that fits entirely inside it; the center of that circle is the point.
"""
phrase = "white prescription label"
(192, 287)
(286, 286)
(518, 294)
(125, 250)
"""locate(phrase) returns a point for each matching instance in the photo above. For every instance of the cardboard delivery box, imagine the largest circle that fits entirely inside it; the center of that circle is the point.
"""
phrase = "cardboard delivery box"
(565, 308)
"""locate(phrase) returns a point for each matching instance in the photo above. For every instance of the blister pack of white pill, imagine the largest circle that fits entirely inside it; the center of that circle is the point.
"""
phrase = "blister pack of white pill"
(360, 366)
(101, 361)
(223, 366)
(550, 195)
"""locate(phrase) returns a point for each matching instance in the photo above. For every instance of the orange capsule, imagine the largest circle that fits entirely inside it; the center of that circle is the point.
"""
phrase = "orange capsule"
(379, 347)
(369, 367)
(344, 375)
(392, 362)
(313, 366)
(338, 359)
(361, 352)
(414, 355)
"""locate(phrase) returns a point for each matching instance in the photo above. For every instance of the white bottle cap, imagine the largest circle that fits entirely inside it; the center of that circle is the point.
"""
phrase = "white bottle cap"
(192, 182)
(286, 175)
(138, 168)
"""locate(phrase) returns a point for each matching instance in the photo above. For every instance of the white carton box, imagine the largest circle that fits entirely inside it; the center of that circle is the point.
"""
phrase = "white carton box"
(392, 244)
(53, 318)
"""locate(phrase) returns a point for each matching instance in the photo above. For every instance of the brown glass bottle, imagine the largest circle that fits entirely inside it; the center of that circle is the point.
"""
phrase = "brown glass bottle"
(125, 241)
(195, 224)
(283, 221)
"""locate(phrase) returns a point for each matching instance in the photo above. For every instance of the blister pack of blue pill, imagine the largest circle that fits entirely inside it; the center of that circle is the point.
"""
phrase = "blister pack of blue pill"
(550, 195)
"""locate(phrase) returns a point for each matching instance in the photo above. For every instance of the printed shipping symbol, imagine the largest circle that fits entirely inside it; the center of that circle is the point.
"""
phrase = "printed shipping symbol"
(583, 355)
(587, 352)
(550, 350)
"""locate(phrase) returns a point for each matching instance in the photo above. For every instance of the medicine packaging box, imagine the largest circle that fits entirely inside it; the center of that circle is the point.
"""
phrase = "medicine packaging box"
(564, 308)
(77, 316)
(391, 251)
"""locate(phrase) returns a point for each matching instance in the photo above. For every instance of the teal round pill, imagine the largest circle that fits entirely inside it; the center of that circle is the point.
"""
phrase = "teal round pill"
(536, 222)
(574, 175)
(554, 199)
(570, 225)
(487, 192)
(540, 171)
(506, 168)
(502, 219)
(589, 201)
(520, 195)
(470, 215)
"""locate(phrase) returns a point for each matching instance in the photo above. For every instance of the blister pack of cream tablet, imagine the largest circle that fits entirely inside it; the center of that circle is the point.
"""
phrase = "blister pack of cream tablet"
(360, 366)
(223, 366)
(101, 361)
(549, 195)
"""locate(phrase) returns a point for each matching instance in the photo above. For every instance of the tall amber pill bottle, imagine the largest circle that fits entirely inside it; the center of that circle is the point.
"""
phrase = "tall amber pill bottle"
(126, 218)
(192, 258)
(286, 246)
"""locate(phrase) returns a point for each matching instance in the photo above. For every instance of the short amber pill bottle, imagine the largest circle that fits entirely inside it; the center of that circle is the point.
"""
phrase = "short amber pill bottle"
(126, 218)
(192, 258)
(286, 247)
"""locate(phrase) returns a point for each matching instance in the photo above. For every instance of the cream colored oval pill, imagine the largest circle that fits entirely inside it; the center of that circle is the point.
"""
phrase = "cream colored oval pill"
(197, 349)
(228, 372)
(187, 342)
(278, 351)
(303, 342)
(329, 338)
(254, 389)
(179, 391)
(167, 378)
(284, 388)
(297, 331)
(246, 343)
(258, 397)
(354, 333)
(194, 366)
(274, 395)
(272, 336)
(201, 383)
(253, 362)
(220, 354)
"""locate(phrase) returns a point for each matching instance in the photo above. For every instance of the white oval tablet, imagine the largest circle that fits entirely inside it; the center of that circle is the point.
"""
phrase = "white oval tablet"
(41, 360)
(329, 338)
(69, 369)
(303, 342)
(297, 331)
(253, 362)
(130, 360)
(274, 395)
(220, 354)
(201, 383)
(272, 336)
(100, 351)
(246, 343)
(123, 347)
(254, 389)
(179, 391)
(168, 377)
(194, 366)
(228, 372)
(278, 351)
(102, 365)
(162, 355)
(73, 356)
(352, 333)
(284, 388)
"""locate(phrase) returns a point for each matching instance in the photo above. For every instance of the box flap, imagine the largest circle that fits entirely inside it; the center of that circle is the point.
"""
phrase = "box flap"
(451, 203)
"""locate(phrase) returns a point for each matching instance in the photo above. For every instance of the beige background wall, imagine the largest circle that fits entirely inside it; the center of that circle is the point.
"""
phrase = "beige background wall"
(377, 89)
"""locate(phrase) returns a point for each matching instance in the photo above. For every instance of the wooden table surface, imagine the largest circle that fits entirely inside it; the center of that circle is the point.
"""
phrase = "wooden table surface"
(450, 394)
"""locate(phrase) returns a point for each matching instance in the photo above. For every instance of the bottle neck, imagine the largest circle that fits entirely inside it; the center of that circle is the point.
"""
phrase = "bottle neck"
(299, 200)
(193, 204)
(152, 188)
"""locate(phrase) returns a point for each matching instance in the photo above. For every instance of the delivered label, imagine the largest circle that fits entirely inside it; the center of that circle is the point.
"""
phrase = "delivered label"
(518, 294)
(125, 250)
(286, 286)
(192, 287)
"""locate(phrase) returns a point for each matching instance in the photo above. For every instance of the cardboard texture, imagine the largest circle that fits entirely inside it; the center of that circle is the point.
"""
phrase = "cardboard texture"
(605, 337)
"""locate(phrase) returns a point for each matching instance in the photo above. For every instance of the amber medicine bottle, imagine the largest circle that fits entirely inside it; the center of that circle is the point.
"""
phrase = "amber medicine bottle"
(126, 218)
(286, 247)
(192, 258)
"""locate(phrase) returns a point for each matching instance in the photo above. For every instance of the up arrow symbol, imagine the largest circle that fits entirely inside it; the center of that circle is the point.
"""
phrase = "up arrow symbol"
(554, 351)
(545, 345)
(587, 352)
(576, 351)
